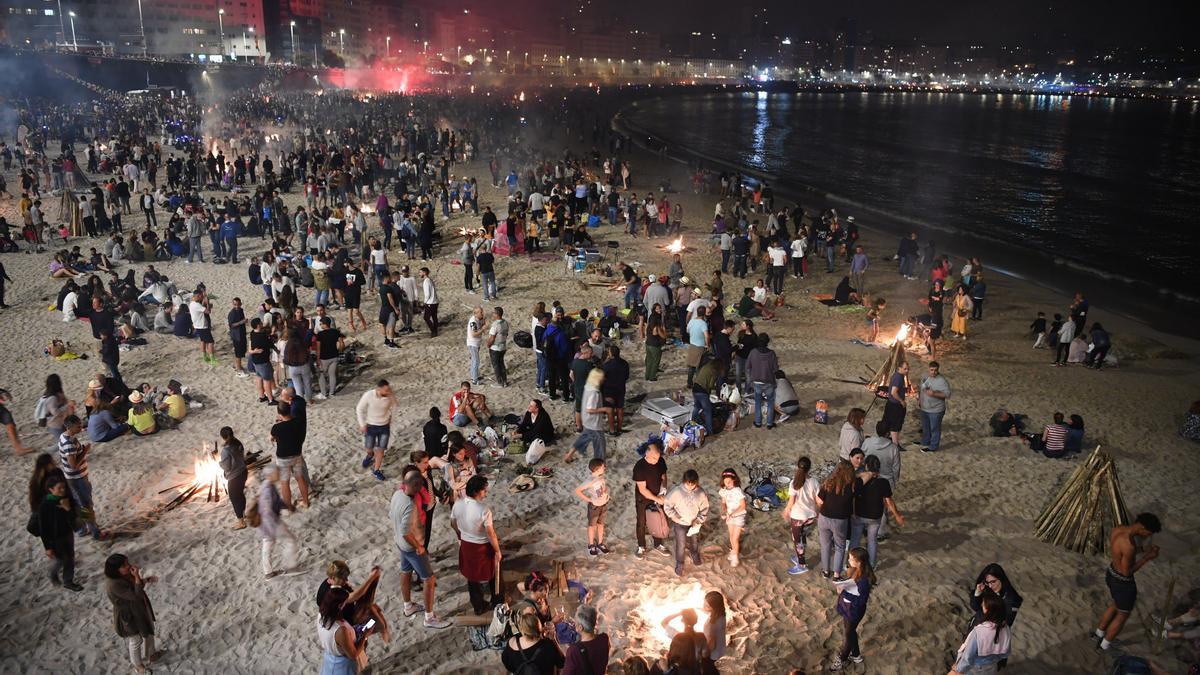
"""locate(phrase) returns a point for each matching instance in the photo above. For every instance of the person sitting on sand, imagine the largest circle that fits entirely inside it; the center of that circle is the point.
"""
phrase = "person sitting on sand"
(748, 308)
(102, 425)
(535, 424)
(845, 294)
(141, 415)
(359, 605)
(1077, 352)
(1004, 423)
(173, 407)
(1053, 439)
(467, 407)
(164, 321)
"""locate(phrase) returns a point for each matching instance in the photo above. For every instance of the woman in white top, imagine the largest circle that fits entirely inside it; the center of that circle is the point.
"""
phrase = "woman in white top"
(733, 511)
(801, 510)
(340, 647)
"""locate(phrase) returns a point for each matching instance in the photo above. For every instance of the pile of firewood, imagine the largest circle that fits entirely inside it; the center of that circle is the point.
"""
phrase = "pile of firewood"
(1088, 506)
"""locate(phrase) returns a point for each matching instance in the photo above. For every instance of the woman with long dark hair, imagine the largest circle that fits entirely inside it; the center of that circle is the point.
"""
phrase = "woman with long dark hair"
(987, 646)
(656, 336)
(835, 502)
(854, 593)
(993, 581)
(801, 511)
(296, 358)
(133, 617)
(58, 406)
(43, 469)
(340, 646)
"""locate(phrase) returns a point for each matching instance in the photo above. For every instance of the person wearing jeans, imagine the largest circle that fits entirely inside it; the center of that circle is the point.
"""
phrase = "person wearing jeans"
(763, 365)
(935, 391)
(835, 506)
(872, 495)
(593, 413)
(686, 507)
(55, 516)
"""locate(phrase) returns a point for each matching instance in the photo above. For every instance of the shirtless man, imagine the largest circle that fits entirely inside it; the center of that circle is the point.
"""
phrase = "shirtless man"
(1124, 546)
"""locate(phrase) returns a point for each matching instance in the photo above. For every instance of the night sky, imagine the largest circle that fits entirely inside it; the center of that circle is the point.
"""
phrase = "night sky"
(1027, 22)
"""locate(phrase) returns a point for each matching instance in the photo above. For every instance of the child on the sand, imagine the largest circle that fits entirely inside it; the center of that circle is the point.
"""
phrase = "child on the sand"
(594, 492)
(733, 511)
(873, 315)
(1038, 330)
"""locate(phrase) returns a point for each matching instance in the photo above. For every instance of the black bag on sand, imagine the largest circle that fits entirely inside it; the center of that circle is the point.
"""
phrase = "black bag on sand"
(523, 339)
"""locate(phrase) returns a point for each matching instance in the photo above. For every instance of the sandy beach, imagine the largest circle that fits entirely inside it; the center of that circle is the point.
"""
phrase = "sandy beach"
(973, 503)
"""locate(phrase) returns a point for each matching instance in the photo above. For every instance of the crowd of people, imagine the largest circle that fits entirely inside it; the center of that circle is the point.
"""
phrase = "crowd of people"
(384, 171)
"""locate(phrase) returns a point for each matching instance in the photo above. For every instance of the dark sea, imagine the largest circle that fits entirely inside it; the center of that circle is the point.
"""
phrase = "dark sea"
(1106, 187)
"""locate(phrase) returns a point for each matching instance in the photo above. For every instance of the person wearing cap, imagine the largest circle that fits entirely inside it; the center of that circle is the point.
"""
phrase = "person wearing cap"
(658, 293)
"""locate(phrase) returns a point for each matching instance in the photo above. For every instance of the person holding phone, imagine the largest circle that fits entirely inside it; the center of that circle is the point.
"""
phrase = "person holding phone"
(342, 649)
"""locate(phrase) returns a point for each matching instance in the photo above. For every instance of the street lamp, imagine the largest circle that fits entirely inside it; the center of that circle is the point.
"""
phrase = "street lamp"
(221, 22)
(342, 40)
(142, 27)
(292, 28)
(387, 52)
(74, 42)
(62, 28)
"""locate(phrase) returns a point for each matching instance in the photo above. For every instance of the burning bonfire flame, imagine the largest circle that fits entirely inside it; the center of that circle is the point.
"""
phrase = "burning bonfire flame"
(676, 246)
(209, 477)
(366, 208)
(684, 597)
(901, 334)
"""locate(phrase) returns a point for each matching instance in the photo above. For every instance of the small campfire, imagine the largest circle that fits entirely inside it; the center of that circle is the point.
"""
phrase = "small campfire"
(366, 208)
(208, 480)
(655, 609)
(467, 232)
(674, 247)
(901, 334)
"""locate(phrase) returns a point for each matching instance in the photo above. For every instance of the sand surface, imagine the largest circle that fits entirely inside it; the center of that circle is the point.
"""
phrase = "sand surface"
(972, 504)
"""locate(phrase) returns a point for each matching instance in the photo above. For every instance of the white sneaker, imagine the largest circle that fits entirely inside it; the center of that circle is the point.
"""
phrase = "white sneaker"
(783, 417)
(318, 397)
(411, 608)
(434, 621)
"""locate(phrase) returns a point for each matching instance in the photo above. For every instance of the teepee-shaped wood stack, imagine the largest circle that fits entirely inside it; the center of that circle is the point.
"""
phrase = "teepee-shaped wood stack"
(1087, 507)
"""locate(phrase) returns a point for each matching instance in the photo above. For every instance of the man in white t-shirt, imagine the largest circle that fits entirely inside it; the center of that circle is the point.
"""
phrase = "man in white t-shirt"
(479, 547)
(475, 329)
(498, 345)
(198, 308)
(429, 292)
(697, 302)
(799, 249)
(778, 269)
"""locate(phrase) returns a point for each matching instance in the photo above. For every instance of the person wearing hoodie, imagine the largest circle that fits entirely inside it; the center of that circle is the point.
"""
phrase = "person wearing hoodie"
(762, 364)
(686, 506)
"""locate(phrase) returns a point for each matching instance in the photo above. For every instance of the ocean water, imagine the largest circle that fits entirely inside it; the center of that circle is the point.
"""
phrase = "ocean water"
(1110, 186)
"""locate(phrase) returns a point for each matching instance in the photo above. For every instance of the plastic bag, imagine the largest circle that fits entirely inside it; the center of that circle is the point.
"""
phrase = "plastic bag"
(537, 449)
(821, 412)
(656, 522)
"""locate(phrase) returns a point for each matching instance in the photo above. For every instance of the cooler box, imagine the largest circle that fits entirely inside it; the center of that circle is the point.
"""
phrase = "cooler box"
(591, 255)
(666, 410)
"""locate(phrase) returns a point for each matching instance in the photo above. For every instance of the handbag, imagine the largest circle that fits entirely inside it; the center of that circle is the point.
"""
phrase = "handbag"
(656, 522)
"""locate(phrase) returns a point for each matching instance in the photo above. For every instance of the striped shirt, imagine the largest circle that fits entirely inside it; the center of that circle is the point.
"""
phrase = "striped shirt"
(1056, 437)
(69, 446)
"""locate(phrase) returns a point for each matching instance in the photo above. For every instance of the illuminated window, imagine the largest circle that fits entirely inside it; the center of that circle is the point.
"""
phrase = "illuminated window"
(49, 12)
